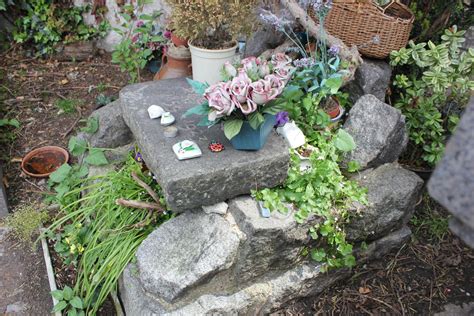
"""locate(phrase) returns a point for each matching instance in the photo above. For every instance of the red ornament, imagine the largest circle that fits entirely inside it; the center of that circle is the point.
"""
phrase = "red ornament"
(216, 147)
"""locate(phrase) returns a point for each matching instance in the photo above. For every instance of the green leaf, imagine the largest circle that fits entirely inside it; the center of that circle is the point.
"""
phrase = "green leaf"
(344, 141)
(57, 294)
(96, 157)
(76, 302)
(318, 254)
(353, 166)
(255, 120)
(60, 306)
(72, 312)
(197, 86)
(60, 174)
(202, 109)
(334, 84)
(67, 293)
(92, 125)
(350, 261)
(77, 146)
(232, 128)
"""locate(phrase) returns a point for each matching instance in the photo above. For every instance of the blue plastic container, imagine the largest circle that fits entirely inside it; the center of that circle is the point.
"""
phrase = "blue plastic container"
(251, 139)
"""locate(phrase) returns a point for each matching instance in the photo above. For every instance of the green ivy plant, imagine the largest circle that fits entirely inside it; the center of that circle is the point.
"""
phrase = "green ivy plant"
(324, 192)
(142, 40)
(435, 89)
(46, 24)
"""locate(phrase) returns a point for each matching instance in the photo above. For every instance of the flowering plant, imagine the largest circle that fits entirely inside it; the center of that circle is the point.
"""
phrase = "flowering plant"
(246, 94)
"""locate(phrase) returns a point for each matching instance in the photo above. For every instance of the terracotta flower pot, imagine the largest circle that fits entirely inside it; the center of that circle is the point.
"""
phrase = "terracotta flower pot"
(175, 63)
(332, 108)
(43, 161)
(178, 41)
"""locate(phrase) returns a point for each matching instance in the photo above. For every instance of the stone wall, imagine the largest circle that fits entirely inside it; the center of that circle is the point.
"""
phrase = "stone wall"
(235, 260)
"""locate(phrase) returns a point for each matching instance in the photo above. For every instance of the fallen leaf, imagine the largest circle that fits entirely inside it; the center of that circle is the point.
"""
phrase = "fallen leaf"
(16, 159)
(64, 81)
(5, 182)
(364, 290)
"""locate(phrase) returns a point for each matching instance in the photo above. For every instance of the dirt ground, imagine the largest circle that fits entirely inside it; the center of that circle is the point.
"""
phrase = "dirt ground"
(433, 269)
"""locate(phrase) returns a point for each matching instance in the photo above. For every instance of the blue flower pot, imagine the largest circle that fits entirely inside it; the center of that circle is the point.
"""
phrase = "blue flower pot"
(251, 139)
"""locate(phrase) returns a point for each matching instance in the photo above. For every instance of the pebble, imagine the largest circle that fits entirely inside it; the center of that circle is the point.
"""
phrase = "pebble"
(170, 131)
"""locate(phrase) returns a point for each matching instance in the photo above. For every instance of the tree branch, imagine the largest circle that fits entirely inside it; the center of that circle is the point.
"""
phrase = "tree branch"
(139, 204)
(146, 187)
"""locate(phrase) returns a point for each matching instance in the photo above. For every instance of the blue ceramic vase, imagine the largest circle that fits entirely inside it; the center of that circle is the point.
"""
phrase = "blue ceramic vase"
(251, 139)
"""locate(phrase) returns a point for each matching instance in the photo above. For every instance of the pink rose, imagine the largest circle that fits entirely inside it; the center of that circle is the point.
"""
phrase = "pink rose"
(276, 83)
(281, 60)
(220, 100)
(230, 69)
(249, 107)
(239, 88)
(249, 63)
(263, 69)
(261, 91)
(284, 73)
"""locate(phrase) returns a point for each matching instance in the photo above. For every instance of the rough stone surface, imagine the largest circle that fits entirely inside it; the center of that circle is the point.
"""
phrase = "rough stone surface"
(265, 296)
(186, 252)
(113, 132)
(262, 39)
(218, 208)
(452, 182)
(372, 77)
(457, 310)
(3, 197)
(469, 36)
(378, 130)
(393, 194)
(271, 244)
(464, 232)
(212, 178)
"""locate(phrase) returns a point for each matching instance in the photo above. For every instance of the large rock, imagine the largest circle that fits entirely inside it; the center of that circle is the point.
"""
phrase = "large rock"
(264, 296)
(452, 182)
(186, 252)
(372, 77)
(266, 37)
(469, 36)
(392, 193)
(211, 178)
(378, 130)
(271, 243)
(112, 132)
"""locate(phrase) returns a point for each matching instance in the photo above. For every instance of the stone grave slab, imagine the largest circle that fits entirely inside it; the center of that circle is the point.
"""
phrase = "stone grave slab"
(211, 178)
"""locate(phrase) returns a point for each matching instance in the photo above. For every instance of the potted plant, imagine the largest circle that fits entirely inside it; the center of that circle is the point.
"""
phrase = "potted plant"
(243, 101)
(333, 108)
(212, 30)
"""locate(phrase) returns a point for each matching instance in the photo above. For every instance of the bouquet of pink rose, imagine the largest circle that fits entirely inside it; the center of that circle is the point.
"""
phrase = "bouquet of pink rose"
(245, 94)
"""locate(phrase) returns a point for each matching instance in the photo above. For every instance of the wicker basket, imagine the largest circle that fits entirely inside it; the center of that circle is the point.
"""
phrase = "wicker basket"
(374, 30)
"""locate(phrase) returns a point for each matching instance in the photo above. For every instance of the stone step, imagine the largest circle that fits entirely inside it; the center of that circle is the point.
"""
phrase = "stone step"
(211, 178)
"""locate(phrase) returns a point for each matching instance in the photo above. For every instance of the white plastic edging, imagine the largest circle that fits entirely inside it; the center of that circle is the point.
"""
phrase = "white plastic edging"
(49, 269)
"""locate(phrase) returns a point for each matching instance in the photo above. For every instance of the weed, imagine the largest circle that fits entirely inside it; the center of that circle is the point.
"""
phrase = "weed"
(101, 87)
(25, 221)
(68, 106)
(429, 222)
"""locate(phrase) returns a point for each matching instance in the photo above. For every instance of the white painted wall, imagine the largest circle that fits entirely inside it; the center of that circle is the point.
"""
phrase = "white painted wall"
(113, 16)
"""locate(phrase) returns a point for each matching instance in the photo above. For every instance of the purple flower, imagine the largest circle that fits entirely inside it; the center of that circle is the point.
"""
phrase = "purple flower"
(322, 6)
(273, 20)
(138, 157)
(282, 118)
(140, 23)
(304, 62)
(334, 50)
(167, 34)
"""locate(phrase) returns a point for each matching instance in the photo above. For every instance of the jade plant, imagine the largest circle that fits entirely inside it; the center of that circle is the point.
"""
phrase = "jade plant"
(434, 91)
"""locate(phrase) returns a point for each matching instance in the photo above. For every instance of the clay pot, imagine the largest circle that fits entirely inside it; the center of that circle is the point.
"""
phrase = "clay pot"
(178, 41)
(175, 63)
(43, 161)
(332, 108)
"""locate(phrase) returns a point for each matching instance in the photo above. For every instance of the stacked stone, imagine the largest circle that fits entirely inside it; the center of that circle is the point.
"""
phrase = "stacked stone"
(233, 260)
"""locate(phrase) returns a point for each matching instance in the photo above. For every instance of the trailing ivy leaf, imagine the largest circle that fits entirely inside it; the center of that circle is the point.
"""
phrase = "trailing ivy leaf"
(344, 141)
(60, 306)
(353, 166)
(60, 174)
(318, 254)
(76, 302)
(202, 109)
(350, 261)
(77, 146)
(67, 293)
(255, 120)
(92, 125)
(197, 86)
(232, 128)
(57, 294)
(345, 249)
(96, 157)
